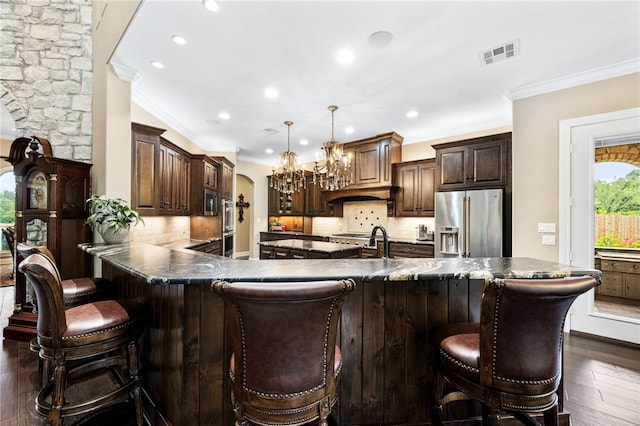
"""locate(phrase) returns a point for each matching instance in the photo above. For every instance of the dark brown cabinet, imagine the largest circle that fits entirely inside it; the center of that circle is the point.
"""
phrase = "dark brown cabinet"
(204, 178)
(212, 247)
(474, 163)
(144, 182)
(371, 161)
(174, 179)
(409, 250)
(416, 180)
(160, 176)
(225, 170)
(281, 204)
(316, 204)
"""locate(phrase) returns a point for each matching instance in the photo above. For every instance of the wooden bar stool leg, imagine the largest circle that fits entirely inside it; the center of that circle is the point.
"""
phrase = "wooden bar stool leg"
(133, 372)
(59, 388)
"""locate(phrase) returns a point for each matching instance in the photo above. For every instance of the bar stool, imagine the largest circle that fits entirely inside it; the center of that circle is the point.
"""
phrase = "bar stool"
(95, 337)
(512, 360)
(76, 291)
(285, 367)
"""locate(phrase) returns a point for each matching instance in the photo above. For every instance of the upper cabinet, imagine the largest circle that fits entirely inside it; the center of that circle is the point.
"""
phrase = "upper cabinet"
(416, 180)
(371, 161)
(474, 163)
(281, 204)
(316, 204)
(226, 177)
(144, 185)
(174, 179)
(204, 185)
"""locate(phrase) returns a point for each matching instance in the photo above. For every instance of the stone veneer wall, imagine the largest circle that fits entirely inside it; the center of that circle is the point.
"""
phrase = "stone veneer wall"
(46, 72)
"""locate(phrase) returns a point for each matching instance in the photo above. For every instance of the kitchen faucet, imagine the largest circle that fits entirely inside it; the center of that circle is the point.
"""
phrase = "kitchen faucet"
(385, 240)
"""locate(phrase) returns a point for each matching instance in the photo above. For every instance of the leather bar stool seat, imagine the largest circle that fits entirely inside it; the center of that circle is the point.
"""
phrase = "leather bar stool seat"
(511, 361)
(285, 366)
(75, 290)
(81, 342)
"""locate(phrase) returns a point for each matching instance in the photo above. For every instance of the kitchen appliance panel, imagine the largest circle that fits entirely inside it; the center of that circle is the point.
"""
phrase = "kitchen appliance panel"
(210, 203)
(448, 221)
(484, 227)
(469, 223)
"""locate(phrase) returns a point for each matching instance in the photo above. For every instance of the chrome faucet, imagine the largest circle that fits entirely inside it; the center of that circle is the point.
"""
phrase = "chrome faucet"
(385, 240)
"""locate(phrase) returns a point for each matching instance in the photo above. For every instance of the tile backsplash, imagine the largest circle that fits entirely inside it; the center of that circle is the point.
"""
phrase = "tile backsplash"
(362, 216)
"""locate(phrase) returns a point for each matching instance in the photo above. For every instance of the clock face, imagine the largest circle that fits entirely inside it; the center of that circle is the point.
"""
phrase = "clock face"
(37, 190)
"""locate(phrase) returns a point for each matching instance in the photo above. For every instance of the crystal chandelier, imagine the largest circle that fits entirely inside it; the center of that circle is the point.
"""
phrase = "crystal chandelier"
(334, 172)
(288, 177)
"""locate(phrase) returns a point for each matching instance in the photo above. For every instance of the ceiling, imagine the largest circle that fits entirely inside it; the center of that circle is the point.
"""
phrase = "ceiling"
(432, 66)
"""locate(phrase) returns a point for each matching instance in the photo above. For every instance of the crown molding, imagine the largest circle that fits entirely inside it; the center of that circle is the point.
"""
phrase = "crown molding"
(586, 77)
(126, 73)
(153, 109)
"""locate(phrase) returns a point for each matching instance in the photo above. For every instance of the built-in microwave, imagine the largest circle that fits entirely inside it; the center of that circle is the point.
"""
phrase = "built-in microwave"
(210, 203)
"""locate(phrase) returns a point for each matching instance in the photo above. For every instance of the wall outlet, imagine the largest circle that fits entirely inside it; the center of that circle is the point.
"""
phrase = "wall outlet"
(549, 240)
(546, 227)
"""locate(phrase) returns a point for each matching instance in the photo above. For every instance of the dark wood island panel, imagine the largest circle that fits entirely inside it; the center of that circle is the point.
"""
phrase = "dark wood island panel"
(385, 328)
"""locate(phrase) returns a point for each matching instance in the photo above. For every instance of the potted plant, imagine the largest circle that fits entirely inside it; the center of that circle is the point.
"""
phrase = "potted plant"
(112, 218)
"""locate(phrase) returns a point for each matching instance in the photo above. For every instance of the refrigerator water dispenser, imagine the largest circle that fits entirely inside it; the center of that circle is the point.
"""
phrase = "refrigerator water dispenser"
(449, 239)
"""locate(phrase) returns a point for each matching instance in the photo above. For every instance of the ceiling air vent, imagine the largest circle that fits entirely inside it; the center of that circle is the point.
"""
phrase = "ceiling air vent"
(500, 53)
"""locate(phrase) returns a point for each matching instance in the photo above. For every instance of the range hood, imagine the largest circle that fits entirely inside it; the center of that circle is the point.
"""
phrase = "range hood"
(372, 161)
(362, 194)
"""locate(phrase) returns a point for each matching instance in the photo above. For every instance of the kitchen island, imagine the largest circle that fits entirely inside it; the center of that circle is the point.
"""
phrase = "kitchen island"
(306, 249)
(384, 336)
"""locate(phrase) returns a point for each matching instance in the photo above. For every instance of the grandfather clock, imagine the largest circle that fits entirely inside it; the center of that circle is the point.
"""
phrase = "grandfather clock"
(51, 208)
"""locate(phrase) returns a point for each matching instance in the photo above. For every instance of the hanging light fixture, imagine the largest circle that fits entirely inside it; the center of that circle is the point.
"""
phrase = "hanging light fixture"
(334, 172)
(288, 177)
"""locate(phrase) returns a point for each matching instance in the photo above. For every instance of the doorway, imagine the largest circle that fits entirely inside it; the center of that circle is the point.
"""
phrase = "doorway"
(244, 223)
(576, 187)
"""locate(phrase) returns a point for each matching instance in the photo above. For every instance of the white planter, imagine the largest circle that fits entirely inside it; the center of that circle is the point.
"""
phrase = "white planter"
(117, 237)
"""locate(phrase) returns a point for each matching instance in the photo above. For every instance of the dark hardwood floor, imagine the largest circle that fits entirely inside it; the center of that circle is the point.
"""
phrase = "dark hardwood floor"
(601, 382)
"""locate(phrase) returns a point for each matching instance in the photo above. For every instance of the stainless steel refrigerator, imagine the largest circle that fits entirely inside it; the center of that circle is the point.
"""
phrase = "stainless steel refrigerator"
(469, 223)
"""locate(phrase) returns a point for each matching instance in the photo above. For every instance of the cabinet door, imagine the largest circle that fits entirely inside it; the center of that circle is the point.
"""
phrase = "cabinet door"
(227, 181)
(274, 206)
(452, 163)
(488, 163)
(407, 199)
(183, 180)
(416, 194)
(632, 286)
(427, 174)
(475, 163)
(210, 175)
(144, 184)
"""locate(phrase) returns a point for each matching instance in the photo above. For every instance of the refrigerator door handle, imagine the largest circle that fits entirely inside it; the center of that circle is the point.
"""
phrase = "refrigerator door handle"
(465, 225)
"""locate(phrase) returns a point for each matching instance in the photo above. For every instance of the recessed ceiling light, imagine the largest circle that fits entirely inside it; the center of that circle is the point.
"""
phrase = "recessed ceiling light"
(412, 114)
(178, 39)
(380, 39)
(224, 116)
(349, 130)
(212, 5)
(345, 56)
(304, 142)
(269, 151)
(271, 93)
(157, 64)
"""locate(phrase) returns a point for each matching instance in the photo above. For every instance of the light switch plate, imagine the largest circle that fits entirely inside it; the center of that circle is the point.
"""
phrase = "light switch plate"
(549, 240)
(546, 227)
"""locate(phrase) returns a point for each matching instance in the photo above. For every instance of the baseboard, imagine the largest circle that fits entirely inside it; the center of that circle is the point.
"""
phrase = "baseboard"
(604, 339)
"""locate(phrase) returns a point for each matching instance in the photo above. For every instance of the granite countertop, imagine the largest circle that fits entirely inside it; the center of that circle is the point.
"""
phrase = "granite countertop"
(308, 245)
(187, 243)
(159, 265)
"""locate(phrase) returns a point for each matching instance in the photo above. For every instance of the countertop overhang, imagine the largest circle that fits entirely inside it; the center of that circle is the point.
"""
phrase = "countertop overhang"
(164, 266)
